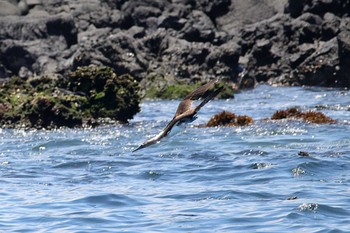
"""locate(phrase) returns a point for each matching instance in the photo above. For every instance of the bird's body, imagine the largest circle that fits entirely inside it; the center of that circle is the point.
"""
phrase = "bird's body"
(184, 112)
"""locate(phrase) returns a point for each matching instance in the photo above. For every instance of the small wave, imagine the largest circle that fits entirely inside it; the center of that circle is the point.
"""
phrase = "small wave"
(325, 210)
(73, 164)
(308, 207)
(261, 165)
(58, 143)
(153, 175)
(109, 200)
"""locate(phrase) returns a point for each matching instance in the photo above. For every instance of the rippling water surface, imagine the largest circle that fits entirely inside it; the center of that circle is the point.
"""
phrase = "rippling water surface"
(241, 179)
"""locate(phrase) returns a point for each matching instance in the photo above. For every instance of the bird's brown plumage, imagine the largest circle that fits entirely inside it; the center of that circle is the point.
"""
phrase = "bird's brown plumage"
(186, 103)
(184, 111)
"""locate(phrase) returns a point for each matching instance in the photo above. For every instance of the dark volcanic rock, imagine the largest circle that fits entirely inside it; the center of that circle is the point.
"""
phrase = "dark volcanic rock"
(308, 27)
(199, 28)
(318, 7)
(330, 26)
(38, 27)
(282, 42)
(329, 65)
(321, 67)
(304, 50)
(37, 44)
(124, 35)
(116, 50)
(13, 7)
(343, 39)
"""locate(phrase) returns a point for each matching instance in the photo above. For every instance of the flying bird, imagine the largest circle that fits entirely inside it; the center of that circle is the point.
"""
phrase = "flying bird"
(184, 112)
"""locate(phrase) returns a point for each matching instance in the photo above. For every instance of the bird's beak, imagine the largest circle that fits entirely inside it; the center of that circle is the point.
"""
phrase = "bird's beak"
(138, 148)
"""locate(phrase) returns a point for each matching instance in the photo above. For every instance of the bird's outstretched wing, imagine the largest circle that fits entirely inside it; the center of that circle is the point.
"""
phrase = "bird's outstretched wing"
(184, 110)
(211, 96)
(201, 91)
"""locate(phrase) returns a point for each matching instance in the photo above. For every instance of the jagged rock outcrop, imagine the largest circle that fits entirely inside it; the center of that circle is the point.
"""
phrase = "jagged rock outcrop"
(284, 42)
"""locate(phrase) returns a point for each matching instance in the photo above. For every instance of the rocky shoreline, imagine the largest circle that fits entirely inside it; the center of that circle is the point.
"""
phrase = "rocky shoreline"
(281, 42)
(166, 42)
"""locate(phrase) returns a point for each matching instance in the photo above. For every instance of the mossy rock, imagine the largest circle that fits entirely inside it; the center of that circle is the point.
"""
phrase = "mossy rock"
(110, 95)
(22, 105)
(88, 94)
(50, 112)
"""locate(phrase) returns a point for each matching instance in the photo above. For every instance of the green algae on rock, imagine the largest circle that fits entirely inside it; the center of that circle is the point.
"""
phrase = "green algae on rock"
(110, 95)
(87, 95)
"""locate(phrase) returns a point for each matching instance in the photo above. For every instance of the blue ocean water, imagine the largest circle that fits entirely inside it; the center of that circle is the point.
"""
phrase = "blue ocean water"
(228, 179)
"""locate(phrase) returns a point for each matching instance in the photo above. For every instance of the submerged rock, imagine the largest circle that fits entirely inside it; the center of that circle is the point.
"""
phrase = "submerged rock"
(229, 119)
(309, 116)
(87, 95)
(303, 153)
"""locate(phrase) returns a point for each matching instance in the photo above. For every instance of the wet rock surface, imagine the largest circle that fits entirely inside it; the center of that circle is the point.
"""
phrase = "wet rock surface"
(284, 42)
(226, 118)
(309, 116)
(86, 97)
